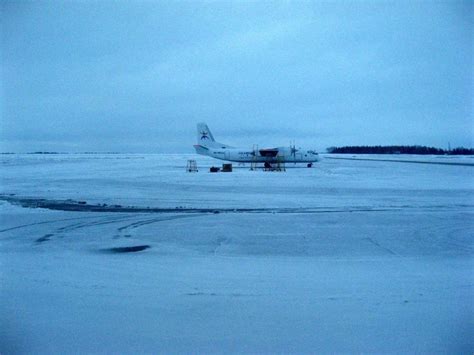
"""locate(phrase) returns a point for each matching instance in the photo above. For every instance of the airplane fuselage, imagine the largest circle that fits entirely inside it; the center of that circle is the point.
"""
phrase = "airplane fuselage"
(280, 154)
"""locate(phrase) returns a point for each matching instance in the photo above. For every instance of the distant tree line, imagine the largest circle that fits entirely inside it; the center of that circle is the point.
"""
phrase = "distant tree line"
(399, 149)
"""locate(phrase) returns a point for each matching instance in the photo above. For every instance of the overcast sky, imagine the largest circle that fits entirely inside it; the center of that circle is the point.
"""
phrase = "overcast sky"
(136, 76)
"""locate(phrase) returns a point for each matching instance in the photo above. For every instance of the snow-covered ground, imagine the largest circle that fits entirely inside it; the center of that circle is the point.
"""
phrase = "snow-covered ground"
(349, 256)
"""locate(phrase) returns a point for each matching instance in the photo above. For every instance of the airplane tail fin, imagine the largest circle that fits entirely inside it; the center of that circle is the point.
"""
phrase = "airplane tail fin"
(206, 141)
(204, 135)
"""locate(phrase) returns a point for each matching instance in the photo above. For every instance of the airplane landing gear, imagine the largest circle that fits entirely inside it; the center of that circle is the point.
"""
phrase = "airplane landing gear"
(310, 165)
(278, 166)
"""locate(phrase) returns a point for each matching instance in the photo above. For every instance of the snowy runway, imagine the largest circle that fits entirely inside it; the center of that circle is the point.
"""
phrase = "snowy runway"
(350, 256)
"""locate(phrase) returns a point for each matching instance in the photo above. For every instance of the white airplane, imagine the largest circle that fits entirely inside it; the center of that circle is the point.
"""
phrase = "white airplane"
(207, 145)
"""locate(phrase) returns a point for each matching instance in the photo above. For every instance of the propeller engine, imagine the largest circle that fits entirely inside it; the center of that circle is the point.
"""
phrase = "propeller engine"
(293, 150)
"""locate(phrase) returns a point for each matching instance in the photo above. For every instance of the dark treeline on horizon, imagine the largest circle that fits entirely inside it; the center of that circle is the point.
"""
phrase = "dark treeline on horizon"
(399, 149)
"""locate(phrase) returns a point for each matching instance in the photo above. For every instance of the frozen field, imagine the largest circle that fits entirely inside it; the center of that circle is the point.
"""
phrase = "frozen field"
(349, 256)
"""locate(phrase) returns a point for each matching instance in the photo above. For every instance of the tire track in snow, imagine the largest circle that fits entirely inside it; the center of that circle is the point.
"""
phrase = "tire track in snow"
(45, 222)
(135, 224)
(378, 245)
(153, 220)
(81, 225)
(159, 219)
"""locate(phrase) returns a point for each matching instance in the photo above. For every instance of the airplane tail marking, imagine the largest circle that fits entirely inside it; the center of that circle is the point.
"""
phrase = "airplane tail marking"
(204, 135)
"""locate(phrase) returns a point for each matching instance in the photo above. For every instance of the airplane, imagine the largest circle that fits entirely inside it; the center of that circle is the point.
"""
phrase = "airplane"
(207, 145)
